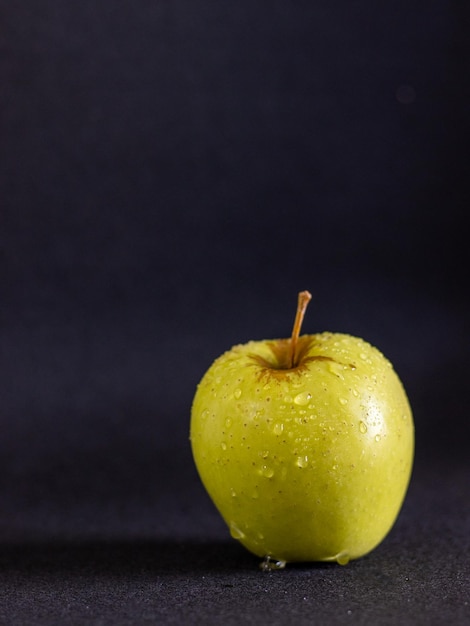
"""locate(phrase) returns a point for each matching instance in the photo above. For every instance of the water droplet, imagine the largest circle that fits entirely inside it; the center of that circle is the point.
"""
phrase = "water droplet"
(336, 369)
(233, 493)
(228, 422)
(355, 392)
(303, 398)
(237, 393)
(236, 532)
(377, 437)
(266, 471)
(258, 414)
(342, 558)
(223, 445)
(268, 564)
(363, 427)
(278, 428)
(205, 414)
(302, 461)
(343, 401)
(363, 356)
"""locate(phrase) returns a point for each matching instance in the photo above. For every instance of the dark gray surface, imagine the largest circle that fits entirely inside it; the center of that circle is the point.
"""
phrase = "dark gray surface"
(175, 563)
(171, 175)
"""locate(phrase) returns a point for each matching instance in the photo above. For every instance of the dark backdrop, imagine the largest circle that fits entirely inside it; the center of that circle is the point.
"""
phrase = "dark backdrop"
(171, 175)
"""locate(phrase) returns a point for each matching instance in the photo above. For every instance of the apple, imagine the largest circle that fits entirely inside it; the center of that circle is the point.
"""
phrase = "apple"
(305, 445)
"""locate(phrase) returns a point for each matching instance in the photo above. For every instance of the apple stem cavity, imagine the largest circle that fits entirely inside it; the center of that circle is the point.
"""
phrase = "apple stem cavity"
(302, 304)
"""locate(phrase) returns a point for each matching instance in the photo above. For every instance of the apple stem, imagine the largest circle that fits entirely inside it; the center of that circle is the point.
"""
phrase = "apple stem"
(302, 303)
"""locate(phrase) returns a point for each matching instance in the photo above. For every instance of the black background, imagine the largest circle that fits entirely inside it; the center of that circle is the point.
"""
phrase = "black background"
(171, 175)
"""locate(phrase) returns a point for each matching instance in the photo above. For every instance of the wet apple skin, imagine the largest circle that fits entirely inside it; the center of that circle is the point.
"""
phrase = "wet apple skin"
(310, 463)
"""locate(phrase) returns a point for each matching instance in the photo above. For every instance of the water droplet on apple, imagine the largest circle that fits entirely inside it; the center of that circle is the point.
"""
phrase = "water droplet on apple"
(236, 532)
(303, 398)
(278, 428)
(237, 393)
(342, 558)
(233, 493)
(343, 401)
(258, 414)
(336, 369)
(363, 427)
(363, 356)
(228, 422)
(223, 445)
(268, 564)
(377, 438)
(302, 461)
(266, 471)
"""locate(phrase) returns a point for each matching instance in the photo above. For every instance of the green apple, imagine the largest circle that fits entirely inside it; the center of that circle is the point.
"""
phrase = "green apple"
(305, 445)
